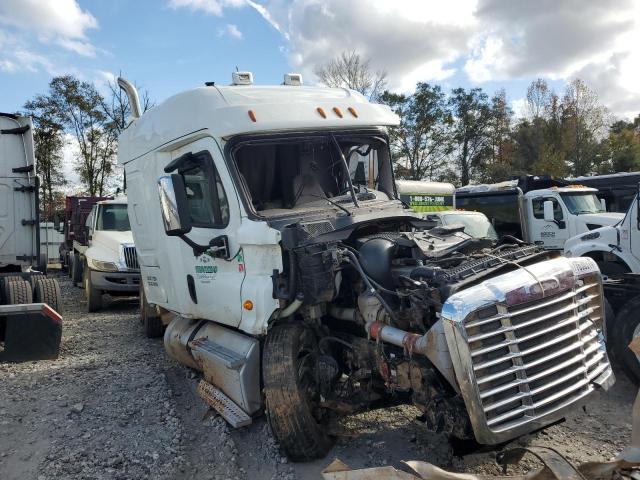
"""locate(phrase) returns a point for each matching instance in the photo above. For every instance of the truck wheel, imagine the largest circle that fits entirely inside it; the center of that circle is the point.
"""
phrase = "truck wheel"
(33, 279)
(18, 292)
(291, 392)
(627, 325)
(611, 269)
(149, 317)
(48, 291)
(76, 269)
(93, 295)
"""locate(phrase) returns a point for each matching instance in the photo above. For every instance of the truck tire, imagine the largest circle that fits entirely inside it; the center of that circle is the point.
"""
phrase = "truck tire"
(33, 279)
(627, 325)
(48, 291)
(288, 363)
(76, 269)
(17, 292)
(93, 295)
(149, 317)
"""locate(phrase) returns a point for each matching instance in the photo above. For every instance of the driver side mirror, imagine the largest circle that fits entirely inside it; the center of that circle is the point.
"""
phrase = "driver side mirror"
(548, 211)
(173, 205)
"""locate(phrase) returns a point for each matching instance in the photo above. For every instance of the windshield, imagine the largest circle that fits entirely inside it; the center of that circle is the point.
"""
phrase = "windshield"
(477, 226)
(578, 203)
(113, 217)
(287, 173)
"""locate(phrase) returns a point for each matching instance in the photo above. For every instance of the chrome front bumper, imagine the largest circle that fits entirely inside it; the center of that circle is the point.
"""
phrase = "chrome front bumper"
(527, 346)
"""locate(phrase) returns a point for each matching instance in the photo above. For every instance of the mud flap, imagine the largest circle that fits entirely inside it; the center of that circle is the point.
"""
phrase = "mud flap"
(31, 332)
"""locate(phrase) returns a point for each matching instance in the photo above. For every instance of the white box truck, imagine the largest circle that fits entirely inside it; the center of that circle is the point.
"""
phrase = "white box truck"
(299, 286)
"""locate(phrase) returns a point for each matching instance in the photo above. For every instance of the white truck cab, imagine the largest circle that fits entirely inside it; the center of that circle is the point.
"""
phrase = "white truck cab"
(110, 261)
(543, 216)
(616, 248)
(285, 267)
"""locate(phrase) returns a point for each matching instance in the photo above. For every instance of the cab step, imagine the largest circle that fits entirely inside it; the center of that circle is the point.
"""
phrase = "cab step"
(222, 404)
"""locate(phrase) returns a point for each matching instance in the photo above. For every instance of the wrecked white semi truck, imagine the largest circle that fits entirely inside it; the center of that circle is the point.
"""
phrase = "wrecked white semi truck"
(299, 283)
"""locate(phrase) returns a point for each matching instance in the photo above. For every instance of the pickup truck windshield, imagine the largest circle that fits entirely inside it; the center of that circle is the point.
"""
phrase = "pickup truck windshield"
(287, 173)
(579, 203)
(477, 226)
(113, 217)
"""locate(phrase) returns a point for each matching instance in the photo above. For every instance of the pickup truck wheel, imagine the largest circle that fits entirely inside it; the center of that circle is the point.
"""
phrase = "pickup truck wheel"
(291, 392)
(47, 291)
(626, 326)
(18, 292)
(76, 269)
(93, 295)
(149, 317)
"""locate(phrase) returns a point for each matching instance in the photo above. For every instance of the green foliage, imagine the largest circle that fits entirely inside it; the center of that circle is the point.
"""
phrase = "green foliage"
(421, 143)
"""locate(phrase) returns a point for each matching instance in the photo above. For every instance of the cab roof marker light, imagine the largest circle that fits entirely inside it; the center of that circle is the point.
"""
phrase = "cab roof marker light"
(252, 116)
(337, 111)
(320, 110)
(241, 78)
(353, 112)
(293, 79)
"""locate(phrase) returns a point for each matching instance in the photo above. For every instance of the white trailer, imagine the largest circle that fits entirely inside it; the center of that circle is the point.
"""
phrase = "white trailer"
(30, 326)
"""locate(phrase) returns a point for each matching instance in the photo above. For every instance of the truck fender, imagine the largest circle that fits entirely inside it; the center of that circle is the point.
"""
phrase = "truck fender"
(598, 252)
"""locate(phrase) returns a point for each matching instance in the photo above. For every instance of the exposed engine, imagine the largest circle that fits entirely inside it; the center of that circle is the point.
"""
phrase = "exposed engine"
(376, 299)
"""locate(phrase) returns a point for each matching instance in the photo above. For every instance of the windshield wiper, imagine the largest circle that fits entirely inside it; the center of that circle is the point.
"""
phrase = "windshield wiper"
(335, 204)
(346, 169)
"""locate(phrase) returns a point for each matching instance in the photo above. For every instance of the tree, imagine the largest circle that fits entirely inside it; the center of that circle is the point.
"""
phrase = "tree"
(584, 122)
(538, 98)
(48, 143)
(80, 109)
(421, 142)
(471, 129)
(500, 164)
(349, 70)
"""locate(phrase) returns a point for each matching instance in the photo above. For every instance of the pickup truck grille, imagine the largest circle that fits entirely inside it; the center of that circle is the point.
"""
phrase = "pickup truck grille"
(528, 360)
(131, 258)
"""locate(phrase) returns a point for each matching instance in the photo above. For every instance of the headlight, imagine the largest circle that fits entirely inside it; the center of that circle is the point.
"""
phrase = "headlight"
(103, 266)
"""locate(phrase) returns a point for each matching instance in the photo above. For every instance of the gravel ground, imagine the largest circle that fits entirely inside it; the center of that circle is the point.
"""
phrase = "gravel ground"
(113, 406)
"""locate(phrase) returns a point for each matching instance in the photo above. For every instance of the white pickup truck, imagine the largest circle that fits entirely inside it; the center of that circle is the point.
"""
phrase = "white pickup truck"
(110, 263)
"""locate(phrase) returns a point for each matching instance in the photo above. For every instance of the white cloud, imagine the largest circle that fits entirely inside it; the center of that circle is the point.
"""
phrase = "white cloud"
(519, 107)
(60, 21)
(230, 30)
(213, 7)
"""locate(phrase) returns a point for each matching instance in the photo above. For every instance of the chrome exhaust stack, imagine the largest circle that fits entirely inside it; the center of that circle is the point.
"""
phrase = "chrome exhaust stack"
(132, 94)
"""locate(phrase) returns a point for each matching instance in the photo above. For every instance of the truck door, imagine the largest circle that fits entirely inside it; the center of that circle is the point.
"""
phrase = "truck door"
(210, 283)
(550, 235)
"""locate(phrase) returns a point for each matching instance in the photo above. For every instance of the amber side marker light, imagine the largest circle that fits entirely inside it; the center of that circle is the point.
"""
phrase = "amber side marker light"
(248, 305)
(252, 116)
(337, 111)
(353, 112)
(320, 110)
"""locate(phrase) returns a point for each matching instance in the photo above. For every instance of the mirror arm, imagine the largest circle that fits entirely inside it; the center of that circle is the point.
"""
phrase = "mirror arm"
(200, 249)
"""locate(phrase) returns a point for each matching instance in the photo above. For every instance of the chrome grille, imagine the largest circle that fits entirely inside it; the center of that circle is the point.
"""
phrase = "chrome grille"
(533, 358)
(131, 258)
(524, 356)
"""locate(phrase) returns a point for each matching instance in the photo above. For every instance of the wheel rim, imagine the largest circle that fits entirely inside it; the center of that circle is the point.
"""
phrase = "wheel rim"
(307, 376)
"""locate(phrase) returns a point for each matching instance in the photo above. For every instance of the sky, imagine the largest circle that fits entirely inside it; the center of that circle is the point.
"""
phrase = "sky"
(167, 46)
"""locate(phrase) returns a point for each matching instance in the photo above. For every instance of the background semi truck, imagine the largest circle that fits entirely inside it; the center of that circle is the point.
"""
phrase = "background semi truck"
(30, 325)
(299, 288)
(538, 210)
